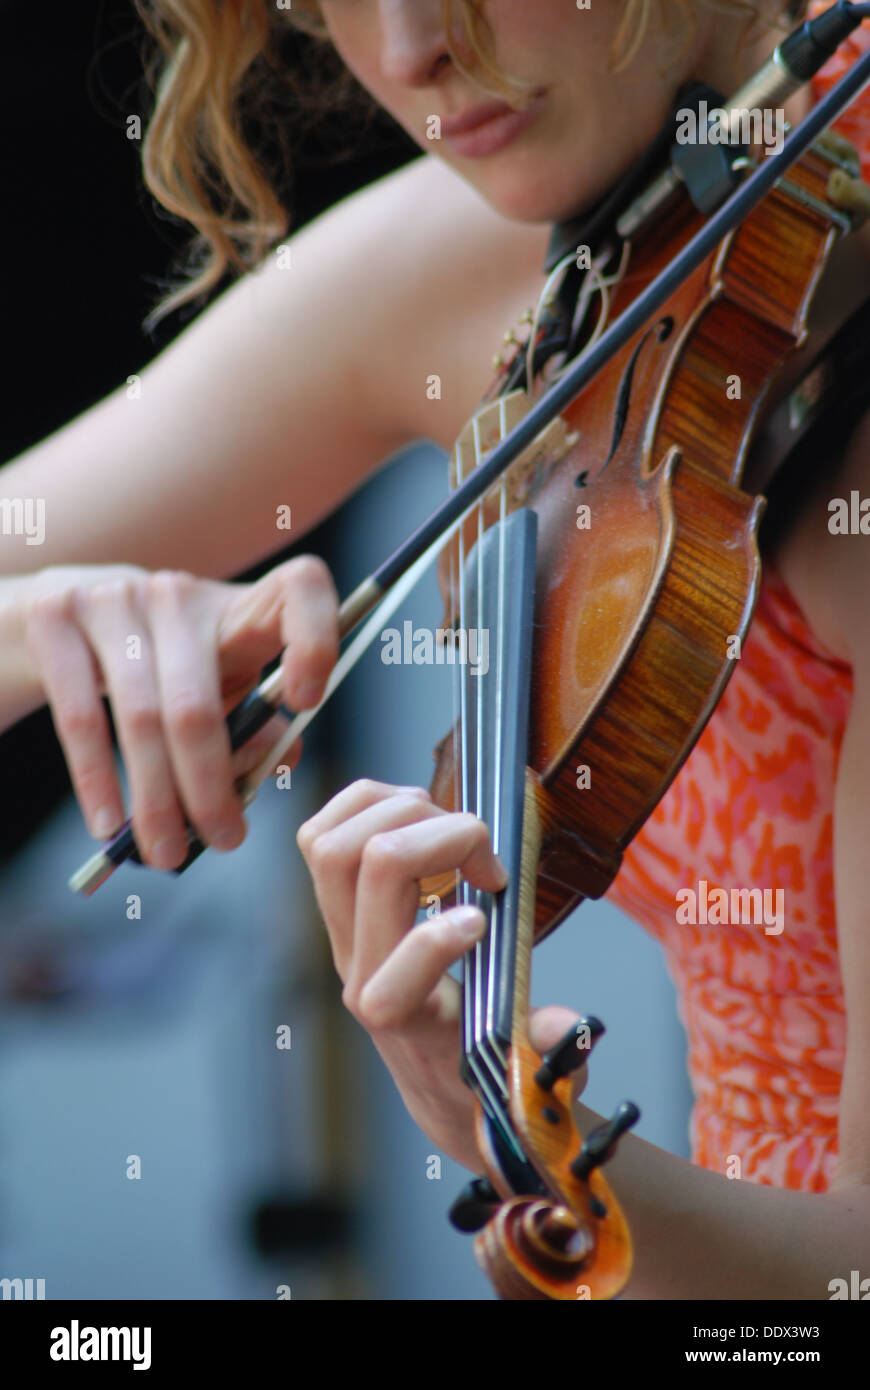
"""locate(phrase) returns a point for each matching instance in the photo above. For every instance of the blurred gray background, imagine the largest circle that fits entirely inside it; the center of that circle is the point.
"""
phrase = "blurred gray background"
(263, 1169)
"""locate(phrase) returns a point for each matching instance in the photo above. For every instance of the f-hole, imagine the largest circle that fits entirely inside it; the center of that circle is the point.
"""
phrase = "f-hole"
(662, 331)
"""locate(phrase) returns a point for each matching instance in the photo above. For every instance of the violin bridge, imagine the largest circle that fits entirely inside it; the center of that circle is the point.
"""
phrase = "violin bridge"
(488, 427)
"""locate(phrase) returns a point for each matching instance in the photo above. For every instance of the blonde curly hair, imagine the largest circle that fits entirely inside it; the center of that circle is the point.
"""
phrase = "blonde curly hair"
(207, 63)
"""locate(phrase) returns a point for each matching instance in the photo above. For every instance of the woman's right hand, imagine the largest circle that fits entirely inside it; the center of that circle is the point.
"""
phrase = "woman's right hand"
(201, 646)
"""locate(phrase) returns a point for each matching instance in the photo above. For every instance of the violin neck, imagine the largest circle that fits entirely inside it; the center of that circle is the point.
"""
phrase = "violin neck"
(496, 606)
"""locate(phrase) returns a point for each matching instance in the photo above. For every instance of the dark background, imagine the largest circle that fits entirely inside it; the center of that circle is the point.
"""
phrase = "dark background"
(85, 247)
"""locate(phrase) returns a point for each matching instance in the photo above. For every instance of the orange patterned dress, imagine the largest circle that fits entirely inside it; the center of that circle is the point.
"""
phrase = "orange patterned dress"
(753, 808)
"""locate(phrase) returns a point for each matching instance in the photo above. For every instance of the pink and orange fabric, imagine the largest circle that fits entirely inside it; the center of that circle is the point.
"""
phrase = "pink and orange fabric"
(753, 808)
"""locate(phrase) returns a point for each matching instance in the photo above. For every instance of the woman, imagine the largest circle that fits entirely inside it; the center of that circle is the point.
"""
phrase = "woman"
(462, 234)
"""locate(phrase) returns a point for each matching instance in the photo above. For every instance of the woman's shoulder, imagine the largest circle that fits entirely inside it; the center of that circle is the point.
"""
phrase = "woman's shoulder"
(439, 204)
(440, 277)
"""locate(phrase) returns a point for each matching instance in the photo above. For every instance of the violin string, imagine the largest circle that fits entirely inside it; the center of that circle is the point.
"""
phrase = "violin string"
(457, 744)
(460, 798)
(485, 1059)
(488, 798)
(487, 1075)
(453, 589)
(498, 909)
(479, 949)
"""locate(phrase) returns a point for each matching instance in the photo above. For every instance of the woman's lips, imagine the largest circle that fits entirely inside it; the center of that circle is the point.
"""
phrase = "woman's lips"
(487, 128)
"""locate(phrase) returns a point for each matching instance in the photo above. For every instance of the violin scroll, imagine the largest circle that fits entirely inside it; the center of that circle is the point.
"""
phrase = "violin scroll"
(533, 1249)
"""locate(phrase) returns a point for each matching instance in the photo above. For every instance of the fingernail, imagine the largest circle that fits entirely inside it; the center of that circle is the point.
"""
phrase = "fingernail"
(168, 853)
(104, 823)
(309, 694)
(226, 839)
(471, 922)
(501, 871)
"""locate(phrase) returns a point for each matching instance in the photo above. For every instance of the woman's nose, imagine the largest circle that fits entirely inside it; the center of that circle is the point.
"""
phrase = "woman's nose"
(413, 41)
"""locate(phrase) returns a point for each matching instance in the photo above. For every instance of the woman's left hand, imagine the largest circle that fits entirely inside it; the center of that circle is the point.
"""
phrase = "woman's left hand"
(367, 851)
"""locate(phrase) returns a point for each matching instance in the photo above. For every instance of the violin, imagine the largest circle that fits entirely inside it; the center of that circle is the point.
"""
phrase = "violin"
(601, 545)
(616, 562)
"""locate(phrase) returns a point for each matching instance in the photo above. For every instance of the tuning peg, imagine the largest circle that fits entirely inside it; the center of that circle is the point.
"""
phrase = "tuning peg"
(476, 1203)
(599, 1145)
(569, 1053)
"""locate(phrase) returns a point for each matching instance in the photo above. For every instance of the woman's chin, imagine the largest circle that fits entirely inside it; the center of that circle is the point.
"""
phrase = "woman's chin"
(534, 205)
(534, 199)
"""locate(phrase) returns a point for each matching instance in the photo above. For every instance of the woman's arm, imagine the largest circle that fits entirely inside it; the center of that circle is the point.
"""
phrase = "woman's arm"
(291, 388)
(700, 1235)
(284, 394)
